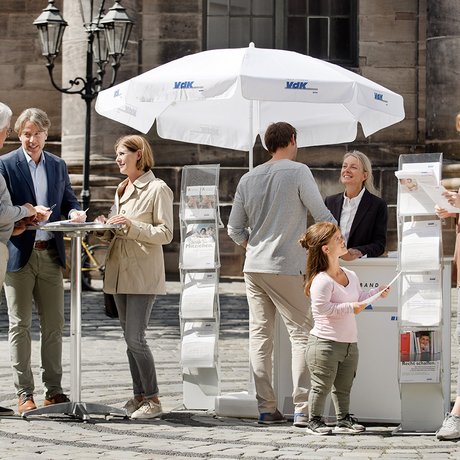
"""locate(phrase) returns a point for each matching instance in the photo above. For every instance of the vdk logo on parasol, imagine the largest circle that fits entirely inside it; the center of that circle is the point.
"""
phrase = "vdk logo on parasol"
(379, 97)
(183, 85)
(296, 85)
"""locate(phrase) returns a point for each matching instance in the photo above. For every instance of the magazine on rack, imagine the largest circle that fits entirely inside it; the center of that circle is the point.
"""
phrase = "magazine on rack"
(198, 295)
(413, 198)
(200, 202)
(421, 301)
(199, 341)
(420, 247)
(199, 247)
(420, 357)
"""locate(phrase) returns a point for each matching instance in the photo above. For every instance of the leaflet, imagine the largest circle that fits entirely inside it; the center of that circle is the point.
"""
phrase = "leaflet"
(376, 296)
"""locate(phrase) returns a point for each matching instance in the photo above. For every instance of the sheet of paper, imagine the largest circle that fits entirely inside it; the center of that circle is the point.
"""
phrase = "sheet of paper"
(199, 342)
(435, 192)
(198, 295)
(420, 247)
(421, 301)
(413, 200)
(376, 296)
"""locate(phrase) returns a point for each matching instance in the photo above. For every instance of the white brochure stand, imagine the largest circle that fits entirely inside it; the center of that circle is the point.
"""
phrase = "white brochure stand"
(199, 270)
(424, 310)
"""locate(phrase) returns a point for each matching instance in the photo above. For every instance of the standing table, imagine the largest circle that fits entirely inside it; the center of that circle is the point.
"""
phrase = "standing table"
(76, 408)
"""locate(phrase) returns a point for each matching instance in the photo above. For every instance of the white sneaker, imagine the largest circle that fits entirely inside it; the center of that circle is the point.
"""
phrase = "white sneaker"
(131, 406)
(450, 428)
(148, 409)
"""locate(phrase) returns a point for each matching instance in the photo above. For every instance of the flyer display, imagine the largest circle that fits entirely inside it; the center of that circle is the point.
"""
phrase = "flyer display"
(422, 368)
(199, 270)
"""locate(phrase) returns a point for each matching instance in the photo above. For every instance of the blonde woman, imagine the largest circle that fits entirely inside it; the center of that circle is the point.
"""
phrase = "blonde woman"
(361, 214)
(135, 271)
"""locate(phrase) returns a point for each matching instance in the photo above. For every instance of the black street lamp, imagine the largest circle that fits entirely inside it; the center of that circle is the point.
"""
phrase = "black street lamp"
(107, 37)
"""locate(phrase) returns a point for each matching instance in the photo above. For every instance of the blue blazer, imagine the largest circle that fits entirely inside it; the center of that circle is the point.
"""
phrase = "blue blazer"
(368, 231)
(15, 170)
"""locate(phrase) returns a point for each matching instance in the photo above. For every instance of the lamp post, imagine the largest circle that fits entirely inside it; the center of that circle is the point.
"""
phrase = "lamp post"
(107, 38)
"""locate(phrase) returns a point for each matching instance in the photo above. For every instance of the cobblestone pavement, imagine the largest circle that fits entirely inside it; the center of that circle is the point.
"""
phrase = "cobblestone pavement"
(179, 433)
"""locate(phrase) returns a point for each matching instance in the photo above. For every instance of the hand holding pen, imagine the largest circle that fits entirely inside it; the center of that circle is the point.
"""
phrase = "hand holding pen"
(78, 216)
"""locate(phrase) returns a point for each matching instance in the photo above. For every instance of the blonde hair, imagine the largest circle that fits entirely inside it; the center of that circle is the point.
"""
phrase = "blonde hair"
(313, 241)
(367, 167)
(33, 115)
(133, 143)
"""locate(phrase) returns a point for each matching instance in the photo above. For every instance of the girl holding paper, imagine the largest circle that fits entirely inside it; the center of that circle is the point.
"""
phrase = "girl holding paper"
(332, 349)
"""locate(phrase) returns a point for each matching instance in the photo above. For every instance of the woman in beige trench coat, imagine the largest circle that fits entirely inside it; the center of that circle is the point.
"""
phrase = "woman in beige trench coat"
(135, 271)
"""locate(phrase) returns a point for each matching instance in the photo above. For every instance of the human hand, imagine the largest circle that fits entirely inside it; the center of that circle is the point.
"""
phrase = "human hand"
(30, 209)
(453, 198)
(359, 307)
(385, 289)
(78, 216)
(42, 213)
(101, 219)
(119, 219)
(352, 254)
(442, 213)
(20, 227)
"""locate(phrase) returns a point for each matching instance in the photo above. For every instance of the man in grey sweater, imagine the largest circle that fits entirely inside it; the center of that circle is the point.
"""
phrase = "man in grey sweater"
(268, 217)
(9, 214)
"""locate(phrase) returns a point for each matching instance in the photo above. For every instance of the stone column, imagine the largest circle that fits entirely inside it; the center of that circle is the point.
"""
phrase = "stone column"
(443, 77)
(102, 166)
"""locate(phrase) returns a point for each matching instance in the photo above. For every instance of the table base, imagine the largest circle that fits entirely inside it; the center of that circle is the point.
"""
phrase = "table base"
(79, 410)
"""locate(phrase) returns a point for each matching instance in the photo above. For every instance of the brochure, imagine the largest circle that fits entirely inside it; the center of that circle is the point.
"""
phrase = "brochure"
(200, 202)
(413, 199)
(420, 246)
(198, 295)
(376, 296)
(199, 247)
(420, 357)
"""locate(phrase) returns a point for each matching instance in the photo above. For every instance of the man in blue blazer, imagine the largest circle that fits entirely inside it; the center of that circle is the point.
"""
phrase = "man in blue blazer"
(35, 258)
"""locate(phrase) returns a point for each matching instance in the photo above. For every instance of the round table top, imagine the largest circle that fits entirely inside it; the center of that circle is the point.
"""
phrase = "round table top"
(65, 226)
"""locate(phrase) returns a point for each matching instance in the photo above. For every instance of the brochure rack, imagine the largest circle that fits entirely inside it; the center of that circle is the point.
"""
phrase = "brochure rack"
(424, 315)
(199, 265)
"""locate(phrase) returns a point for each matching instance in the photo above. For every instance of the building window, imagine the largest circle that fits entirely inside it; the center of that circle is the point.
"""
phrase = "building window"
(325, 29)
(236, 23)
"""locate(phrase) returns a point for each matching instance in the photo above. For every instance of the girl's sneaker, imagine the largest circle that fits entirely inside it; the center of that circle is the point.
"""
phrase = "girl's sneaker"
(348, 424)
(318, 427)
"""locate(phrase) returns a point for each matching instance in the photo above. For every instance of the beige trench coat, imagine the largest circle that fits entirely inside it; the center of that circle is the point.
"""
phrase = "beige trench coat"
(135, 263)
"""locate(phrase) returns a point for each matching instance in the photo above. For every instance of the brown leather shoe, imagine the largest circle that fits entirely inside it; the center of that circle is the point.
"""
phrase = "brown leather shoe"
(26, 403)
(56, 399)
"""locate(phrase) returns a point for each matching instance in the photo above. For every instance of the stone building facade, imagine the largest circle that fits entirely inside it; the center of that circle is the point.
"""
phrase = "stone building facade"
(409, 46)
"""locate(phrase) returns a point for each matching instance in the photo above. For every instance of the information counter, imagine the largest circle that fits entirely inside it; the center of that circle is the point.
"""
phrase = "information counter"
(375, 396)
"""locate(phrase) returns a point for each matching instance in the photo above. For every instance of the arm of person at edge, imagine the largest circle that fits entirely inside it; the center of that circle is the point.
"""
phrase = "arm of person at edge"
(237, 227)
(454, 199)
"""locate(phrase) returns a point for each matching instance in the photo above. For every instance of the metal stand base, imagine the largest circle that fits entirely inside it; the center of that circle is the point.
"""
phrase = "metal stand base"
(78, 410)
(398, 431)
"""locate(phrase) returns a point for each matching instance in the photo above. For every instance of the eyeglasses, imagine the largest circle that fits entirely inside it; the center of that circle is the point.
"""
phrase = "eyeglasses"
(8, 131)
